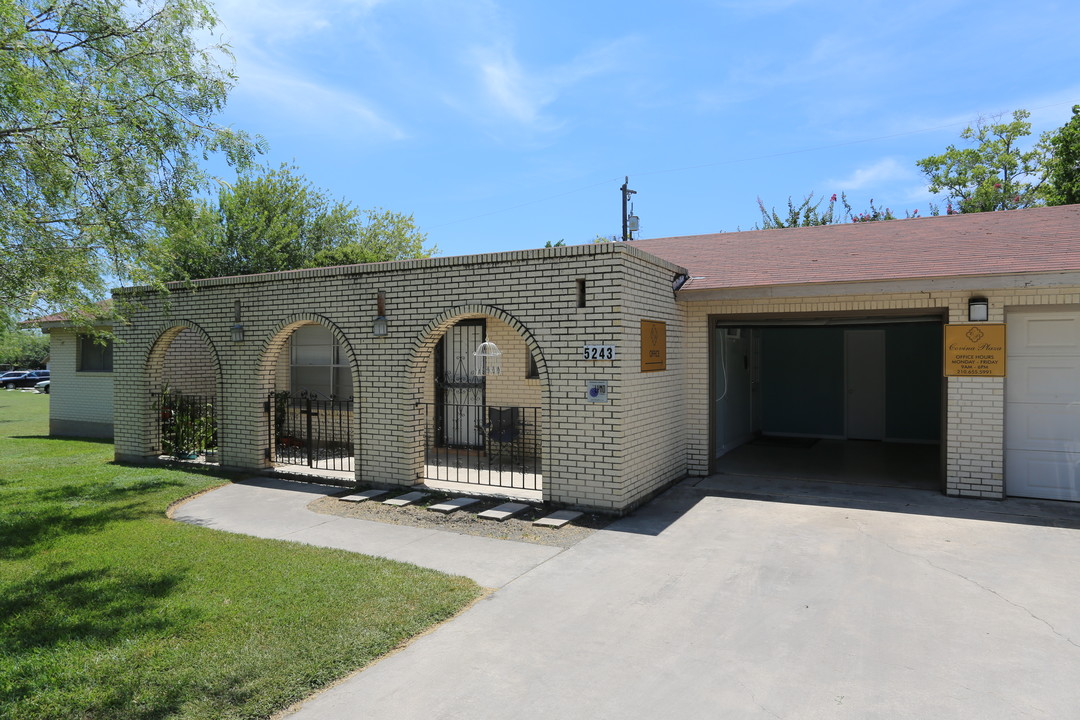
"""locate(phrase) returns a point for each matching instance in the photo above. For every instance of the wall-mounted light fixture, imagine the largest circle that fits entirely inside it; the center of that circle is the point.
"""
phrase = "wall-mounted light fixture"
(238, 327)
(679, 280)
(489, 357)
(978, 309)
(379, 327)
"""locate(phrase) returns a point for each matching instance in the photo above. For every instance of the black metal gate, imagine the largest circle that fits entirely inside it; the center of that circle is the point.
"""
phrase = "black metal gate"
(185, 426)
(507, 456)
(303, 430)
(459, 385)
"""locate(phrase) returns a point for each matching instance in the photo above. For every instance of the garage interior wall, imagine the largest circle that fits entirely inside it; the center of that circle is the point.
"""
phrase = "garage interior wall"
(791, 381)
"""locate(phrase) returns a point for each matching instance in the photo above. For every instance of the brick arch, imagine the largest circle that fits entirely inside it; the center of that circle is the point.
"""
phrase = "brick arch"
(434, 330)
(153, 368)
(154, 355)
(275, 340)
(421, 353)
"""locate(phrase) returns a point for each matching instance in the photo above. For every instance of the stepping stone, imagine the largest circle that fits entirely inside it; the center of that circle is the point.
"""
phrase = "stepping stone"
(558, 518)
(406, 499)
(363, 496)
(503, 512)
(451, 505)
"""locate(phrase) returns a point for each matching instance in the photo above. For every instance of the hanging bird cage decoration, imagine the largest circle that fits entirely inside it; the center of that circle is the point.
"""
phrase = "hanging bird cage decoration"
(489, 358)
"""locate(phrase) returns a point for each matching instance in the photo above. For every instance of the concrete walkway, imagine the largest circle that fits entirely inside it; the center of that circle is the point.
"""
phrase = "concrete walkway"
(272, 508)
(748, 598)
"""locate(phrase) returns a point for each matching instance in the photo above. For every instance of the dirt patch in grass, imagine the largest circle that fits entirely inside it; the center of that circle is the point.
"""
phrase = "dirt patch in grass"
(466, 521)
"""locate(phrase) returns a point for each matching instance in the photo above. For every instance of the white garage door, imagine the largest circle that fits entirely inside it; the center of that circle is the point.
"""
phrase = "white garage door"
(1042, 415)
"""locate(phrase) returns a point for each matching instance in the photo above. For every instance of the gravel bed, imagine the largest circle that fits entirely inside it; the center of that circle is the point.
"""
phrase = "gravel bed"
(465, 521)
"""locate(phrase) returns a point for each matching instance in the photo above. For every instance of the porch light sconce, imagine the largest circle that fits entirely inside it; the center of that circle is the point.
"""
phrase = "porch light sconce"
(978, 309)
(238, 327)
(379, 328)
(489, 357)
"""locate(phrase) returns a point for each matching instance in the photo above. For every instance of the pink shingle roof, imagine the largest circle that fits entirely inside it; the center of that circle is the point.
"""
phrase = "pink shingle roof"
(1014, 241)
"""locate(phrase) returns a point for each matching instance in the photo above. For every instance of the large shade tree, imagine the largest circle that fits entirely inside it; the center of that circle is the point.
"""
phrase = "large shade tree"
(996, 171)
(106, 110)
(275, 219)
(1063, 164)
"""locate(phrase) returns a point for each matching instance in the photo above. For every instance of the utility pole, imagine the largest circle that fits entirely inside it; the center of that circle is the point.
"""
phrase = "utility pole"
(626, 193)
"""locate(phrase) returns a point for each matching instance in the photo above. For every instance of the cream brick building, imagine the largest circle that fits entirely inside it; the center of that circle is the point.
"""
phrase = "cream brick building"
(628, 366)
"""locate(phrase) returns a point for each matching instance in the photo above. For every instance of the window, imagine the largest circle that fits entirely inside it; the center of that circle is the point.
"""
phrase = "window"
(318, 365)
(94, 355)
(533, 372)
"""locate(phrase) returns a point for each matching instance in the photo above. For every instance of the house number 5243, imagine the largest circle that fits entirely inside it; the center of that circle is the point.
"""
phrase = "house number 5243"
(598, 352)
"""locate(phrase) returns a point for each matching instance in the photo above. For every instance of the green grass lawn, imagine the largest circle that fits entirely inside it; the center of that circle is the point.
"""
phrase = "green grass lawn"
(110, 610)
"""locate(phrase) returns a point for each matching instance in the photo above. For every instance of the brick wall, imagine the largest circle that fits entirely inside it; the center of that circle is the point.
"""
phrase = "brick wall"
(188, 367)
(588, 458)
(653, 403)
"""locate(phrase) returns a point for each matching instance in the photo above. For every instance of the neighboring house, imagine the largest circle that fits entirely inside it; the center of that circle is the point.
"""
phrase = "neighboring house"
(81, 379)
(626, 366)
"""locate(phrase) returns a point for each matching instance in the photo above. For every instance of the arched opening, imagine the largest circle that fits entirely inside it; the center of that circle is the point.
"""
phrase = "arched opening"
(183, 375)
(309, 379)
(480, 430)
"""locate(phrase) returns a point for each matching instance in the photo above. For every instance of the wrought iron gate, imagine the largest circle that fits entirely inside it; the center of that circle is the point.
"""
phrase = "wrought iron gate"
(508, 455)
(185, 425)
(303, 430)
(459, 385)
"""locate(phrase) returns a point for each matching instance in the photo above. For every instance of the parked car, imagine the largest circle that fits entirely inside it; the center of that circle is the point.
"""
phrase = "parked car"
(23, 378)
(8, 379)
(43, 386)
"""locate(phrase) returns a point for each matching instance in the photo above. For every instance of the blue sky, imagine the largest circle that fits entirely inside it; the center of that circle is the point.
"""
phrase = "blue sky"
(503, 125)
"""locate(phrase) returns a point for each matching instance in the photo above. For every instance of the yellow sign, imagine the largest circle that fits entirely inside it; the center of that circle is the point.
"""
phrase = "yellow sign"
(653, 346)
(976, 350)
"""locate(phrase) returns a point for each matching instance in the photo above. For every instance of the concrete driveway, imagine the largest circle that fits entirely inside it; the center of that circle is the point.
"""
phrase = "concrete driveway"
(746, 598)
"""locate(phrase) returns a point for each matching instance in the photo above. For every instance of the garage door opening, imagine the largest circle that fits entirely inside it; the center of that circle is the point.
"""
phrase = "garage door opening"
(841, 399)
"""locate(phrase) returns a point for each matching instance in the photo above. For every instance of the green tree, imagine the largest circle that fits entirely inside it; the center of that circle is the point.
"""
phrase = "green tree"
(381, 236)
(274, 220)
(106, 107)
(23, 349)
(996, 173)
(1063, 163)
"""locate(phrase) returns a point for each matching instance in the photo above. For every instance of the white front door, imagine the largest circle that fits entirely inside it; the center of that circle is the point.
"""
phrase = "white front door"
(1042, 405)
(864, 379)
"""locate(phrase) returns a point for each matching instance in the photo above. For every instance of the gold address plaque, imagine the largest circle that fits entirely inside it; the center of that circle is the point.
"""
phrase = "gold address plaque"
(653, 346)
(975, 350)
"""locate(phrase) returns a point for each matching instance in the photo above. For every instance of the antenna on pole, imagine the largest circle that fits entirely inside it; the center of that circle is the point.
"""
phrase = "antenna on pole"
(629, 220)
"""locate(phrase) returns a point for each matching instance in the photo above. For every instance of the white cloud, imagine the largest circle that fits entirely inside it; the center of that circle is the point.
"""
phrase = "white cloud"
(522, 94)
(508, 86)
(311, 106)
(883, 171)
(266, 22)
(271, 40)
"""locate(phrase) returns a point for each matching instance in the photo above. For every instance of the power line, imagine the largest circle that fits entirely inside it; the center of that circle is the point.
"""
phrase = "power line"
(719, 163)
